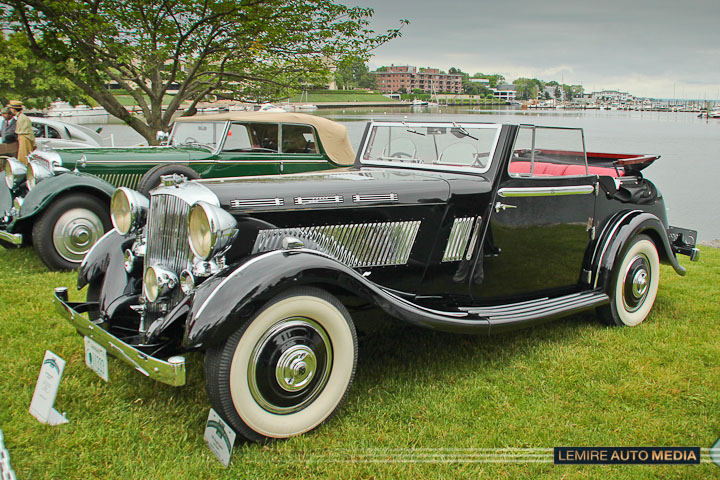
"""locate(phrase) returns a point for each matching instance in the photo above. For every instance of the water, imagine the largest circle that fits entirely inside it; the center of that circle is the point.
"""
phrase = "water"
(686, 174)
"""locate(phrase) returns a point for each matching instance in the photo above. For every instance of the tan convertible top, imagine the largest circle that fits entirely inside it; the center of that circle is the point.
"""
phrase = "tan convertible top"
(333, 135)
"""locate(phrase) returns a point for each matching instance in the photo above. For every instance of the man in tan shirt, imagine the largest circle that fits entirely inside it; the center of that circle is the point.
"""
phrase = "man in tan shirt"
(23, 130)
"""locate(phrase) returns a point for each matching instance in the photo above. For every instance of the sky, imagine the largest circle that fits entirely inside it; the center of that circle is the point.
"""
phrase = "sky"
(650, 48)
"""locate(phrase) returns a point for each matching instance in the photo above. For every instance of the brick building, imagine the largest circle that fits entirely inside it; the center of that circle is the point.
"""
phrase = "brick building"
(410, 78)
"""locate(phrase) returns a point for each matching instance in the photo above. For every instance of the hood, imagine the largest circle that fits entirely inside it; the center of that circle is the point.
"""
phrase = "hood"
(129, 154)
(329, 189)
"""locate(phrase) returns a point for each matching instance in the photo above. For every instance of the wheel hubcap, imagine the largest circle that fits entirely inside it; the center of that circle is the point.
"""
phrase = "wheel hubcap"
(290, 365)
(637, 283)
(75, 232)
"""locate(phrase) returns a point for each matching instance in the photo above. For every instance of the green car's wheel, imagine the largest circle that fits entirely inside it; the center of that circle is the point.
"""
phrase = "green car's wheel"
(286, 370)
(68, 228)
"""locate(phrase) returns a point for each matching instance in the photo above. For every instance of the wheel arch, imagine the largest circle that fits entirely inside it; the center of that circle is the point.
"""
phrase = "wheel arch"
(617, 236)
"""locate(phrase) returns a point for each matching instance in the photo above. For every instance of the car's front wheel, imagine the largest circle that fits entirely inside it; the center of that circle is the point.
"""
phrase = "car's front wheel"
(635, 284)
(286, 370)
(68, 228)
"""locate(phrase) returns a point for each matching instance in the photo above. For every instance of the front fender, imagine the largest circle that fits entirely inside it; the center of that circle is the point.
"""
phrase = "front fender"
(45, 191)
(620, 233)
(6, 200)
(225, 302)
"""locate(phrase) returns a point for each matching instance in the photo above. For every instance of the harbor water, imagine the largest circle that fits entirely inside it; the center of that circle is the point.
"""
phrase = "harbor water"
(688, 172)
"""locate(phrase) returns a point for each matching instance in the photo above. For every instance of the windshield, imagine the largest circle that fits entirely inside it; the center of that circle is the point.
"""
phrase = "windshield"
(204, 134)
(432, 145)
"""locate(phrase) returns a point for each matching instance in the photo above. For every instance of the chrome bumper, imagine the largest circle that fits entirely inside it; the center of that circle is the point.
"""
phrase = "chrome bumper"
(171, 372)
(12, 238)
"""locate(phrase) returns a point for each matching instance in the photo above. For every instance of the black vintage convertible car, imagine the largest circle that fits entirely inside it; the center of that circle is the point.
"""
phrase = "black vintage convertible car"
(464, 227)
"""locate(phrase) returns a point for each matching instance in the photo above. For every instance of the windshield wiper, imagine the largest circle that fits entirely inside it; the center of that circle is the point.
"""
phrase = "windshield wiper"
(463, 131)
(410, 130)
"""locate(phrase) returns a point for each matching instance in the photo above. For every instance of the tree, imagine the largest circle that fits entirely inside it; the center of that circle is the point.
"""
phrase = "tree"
(352, 73)
(527, 88)
(25, 77)
(254, 49)
(495, 79)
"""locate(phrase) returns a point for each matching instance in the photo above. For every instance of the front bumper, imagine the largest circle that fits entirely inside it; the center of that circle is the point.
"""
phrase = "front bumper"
(171, 372)
(11, 238)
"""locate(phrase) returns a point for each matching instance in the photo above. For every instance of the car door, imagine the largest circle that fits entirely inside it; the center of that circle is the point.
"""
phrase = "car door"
(541, 221)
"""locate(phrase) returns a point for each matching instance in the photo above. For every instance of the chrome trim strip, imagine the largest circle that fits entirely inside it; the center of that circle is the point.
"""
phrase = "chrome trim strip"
(458, 239)
(13, 238)
(545, 191)
(355, 245)
(258, 202)
(375, 197)
(320, 199)
(171, 372)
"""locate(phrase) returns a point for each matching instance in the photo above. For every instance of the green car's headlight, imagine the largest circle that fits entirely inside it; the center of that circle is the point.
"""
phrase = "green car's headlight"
(128, 210)
(37, 172)
(210, 229)
(14, 172)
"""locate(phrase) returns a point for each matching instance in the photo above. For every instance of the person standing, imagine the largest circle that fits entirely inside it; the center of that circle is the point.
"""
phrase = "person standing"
(8, 137)
(24, 131)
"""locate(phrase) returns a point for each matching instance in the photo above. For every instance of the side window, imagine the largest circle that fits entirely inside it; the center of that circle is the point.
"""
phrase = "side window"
(38, 130)
(238, 139)
(52, 133)
(548, 152)
(298, 139)
(264, 137)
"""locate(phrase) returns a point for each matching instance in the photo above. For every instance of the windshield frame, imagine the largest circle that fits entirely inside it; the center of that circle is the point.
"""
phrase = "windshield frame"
(424, 166)
(218, 146)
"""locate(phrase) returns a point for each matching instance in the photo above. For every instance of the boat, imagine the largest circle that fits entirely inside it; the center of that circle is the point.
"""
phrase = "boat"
(418, 103)
(64, 109)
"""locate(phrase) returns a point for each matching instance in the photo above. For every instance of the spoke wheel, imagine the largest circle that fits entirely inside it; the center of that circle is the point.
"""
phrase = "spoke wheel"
(635, 284)
(288, 369)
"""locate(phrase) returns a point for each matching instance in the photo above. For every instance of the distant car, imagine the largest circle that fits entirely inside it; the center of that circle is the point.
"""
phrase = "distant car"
(461, 227)
(63, 205)
(51, 133)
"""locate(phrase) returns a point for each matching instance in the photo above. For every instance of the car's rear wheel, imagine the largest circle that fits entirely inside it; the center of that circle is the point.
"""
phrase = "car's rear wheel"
(288, 369)
(68, 228)
(635, 284)
(152, 177)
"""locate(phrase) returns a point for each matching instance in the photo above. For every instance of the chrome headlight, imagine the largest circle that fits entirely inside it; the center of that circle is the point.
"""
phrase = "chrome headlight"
(158, 283)
(36, 172)
(128, 210)
(14, 172)
(210, 229)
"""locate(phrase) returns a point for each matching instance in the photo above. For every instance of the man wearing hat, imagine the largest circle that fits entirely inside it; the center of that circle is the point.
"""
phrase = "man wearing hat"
(24, 131)
(8, 137)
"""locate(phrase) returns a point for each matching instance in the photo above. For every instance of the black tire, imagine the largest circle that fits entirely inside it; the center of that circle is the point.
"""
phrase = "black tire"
(634, 286)
(287, 370)
(68, 228)
(151, 179)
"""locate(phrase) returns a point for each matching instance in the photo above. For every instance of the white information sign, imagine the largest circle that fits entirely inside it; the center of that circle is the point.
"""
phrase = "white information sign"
(96, 358)
(220, 438)
(41, 406)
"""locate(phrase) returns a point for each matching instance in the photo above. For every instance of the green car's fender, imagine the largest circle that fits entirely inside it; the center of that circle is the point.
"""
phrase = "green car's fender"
(45, 191)
(6, 201)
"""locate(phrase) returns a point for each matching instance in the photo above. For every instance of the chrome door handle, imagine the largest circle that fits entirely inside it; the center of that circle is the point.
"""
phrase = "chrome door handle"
(502, 206)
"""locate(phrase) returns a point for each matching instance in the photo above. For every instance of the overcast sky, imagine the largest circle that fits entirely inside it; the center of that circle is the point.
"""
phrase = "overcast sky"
(654, 48)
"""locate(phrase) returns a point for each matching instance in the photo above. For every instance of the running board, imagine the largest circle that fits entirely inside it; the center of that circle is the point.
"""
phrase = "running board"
(501, 317)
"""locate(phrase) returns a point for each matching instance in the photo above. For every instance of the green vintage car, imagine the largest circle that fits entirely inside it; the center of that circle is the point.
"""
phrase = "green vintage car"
(60, 200)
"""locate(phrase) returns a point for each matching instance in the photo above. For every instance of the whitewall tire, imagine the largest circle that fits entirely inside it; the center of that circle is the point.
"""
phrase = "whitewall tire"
(288, 369)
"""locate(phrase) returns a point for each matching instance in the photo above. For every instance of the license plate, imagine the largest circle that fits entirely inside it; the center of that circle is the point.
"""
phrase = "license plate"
(96, 358)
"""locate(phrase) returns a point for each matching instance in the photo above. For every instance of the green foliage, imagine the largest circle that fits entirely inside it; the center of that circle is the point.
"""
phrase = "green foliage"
(495, 79)
(527, 88)
(354, 73)
(422, 405)
(24, 76)
(241, 50)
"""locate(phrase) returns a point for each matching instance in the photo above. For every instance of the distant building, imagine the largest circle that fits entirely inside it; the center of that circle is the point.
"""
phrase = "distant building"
(612, 96)
(504, 92)
(410, 78)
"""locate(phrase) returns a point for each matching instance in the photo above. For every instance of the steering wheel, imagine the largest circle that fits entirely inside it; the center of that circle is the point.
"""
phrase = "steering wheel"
(190, 140)
(401, 155)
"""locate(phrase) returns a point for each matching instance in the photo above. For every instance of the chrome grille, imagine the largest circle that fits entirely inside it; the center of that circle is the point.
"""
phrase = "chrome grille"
(167, 241)
(357, 245)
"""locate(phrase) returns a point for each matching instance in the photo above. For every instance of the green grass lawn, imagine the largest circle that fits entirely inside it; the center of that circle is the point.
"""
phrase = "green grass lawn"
(423, 403)
(320, 96)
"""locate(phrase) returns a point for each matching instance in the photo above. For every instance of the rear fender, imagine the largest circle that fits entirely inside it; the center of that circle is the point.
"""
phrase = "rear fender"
(619, 233)
(225, 302)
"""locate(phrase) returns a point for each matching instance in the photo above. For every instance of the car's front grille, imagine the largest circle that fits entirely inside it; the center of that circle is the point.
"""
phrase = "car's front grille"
(167, 242)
